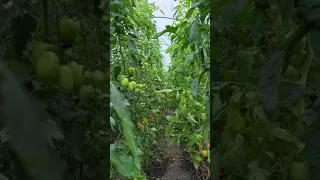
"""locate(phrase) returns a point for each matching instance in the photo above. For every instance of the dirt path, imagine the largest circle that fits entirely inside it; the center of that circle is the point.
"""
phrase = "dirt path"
(176, 166)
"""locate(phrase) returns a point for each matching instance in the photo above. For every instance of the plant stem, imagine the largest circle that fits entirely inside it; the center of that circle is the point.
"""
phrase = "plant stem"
(306, 67)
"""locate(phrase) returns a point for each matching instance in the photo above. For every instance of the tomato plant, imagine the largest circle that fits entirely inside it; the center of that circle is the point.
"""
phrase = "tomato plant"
(54, 69)
(264, 59)
(158, 104)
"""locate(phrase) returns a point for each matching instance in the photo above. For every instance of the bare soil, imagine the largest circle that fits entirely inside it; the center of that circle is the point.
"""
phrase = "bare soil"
(175, 166)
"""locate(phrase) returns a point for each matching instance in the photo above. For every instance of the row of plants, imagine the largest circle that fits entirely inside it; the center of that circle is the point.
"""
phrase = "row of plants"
(53, 90)
(265, 92)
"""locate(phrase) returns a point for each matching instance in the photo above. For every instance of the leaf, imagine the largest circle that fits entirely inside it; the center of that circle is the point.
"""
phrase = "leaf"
(124, 164)
(235, 120)
(196, 4)
(189, 13)
(227, 14)
(296, 93)
(284, 135)
(314, 35)
(160, 33)
(28, 137)
(194, 87)
(269, 81)
(112, 123)
(6, 19)
(118, 102)
(217, 106)
(193, 30)
(3, 177)
(312, 150)
(214, 166)
(191, 118)
(75, 138)
(256, 173)
(171, 29)
(133, 48)
(4, 136)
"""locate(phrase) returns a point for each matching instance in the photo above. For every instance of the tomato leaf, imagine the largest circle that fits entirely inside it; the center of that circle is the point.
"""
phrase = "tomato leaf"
(269, 81)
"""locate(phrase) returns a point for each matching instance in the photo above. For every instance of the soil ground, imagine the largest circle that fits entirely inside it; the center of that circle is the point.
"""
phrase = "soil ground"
(175, 166)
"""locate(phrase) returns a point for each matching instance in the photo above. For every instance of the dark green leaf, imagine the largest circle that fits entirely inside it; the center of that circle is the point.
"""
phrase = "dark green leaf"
(269, 81)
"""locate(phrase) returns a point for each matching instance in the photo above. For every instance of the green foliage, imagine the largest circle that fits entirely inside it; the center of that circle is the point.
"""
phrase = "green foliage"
(48, 129)
(172, 103)
(263, 120)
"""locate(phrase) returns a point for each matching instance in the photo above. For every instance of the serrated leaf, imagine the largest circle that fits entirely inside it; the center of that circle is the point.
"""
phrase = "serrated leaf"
(269, 81)
(171, 29)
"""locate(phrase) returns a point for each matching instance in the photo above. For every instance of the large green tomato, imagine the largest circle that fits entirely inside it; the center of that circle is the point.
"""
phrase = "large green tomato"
(68, 29)
(130, 86)
(47, 66)
(124, 82)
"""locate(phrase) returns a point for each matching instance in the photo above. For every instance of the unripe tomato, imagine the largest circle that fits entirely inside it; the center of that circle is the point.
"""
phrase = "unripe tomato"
(65, 78)
(134, 84)
(122, 76)
(132, 71)
(124, 82)
(204, 153)
(47, 66)
(37, 49)
(130, 86)
(77, 72)
(98, 75)
(85, 91)
(68, 29)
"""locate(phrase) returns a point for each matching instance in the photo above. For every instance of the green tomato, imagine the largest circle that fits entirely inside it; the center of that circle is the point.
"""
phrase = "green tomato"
(134, 84)
(130, 86)
(124, 82)
(98, 75)
(85, 91)
(122, 76)
(204, 153)
(132, 71)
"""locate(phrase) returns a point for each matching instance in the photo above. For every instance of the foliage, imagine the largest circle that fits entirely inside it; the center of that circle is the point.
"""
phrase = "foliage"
(264, 56)
(48, 131)
(170, 103)
(190, 35)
